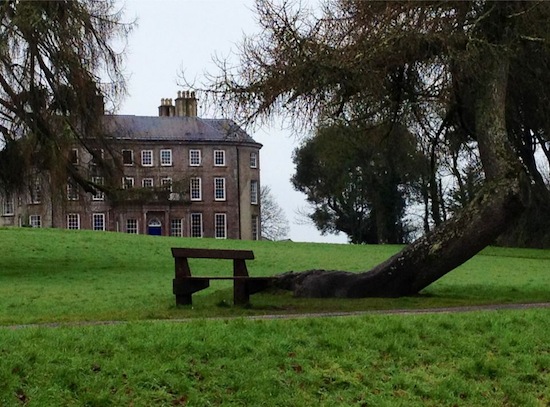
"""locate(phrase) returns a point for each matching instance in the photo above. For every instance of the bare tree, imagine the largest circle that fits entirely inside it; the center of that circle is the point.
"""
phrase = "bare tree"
(478, 68)
(273, 219)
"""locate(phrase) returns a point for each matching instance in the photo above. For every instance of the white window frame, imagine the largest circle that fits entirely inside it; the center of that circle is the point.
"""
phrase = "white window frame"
(72, 191)
(99, 195)
(193, 217)
(74, 154)
(36, 192)
(131, 163)
(73, 221)
(219, 189)
(254, 192)
(255, 227)
(165, 161)
(35, 221)
(220, 226)
(149, 181)
(219, 158)
(195, 189)
(128, 182)
(195, 159)
(254, 160)
(8, 206)
(132, 226)
(96, 216)
(101, 153)
(166, 182)
(147, 158)
(176, 227)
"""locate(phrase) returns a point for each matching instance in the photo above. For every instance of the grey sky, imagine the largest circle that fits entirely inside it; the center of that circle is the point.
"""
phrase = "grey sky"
(182, 35)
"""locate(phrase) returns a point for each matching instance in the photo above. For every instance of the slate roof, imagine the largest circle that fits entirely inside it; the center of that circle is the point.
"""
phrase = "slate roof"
(175, 128)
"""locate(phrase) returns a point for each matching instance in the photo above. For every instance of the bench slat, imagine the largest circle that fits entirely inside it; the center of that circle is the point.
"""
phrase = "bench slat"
(225, 278)
(213, 253)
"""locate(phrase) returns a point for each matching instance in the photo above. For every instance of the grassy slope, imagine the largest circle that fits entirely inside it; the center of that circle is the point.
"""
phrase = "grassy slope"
(483, 358)
(60, 275)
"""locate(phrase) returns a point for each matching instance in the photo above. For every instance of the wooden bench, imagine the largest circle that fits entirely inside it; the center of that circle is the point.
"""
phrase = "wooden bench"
(184, 284)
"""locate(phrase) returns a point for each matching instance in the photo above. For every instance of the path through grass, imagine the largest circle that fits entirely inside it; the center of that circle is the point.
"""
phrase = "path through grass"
(59, 275)
(499, 358)
(475, 359)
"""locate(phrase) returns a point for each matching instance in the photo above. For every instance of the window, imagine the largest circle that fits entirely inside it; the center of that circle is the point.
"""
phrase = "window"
(73, 156)
(98, 195)
(147, 182)
(98, 221)
(220, 226)
(73, 221)
(72, 191)
(196, 192)
(132, 226)
(147, 158)
(255, 235)
(194, 158)
(97, 156)
(8, 206)
(219, 189)
(196, 225)
(127, 182)
(36, 191)
(35, 221)
(254, 192)
(166, 183)
(128, 157)
(166, 158)
(219, 158)
(176, 227)
(253, 160)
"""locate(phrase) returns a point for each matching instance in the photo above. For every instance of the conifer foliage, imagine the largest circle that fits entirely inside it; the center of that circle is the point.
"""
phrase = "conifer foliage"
(59, 61)
(478, 71)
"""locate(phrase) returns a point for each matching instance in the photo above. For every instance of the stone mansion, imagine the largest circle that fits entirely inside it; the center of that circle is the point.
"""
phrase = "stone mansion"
(182, 175)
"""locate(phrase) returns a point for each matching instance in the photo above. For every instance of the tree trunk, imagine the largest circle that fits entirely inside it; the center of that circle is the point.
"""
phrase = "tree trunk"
(455, 241)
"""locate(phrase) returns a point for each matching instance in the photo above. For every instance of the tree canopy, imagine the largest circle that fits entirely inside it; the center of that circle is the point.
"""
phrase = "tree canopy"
(474, 72)
(358, 180)
(59, 61)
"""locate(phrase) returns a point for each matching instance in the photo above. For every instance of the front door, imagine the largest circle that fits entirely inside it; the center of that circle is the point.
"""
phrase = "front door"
(154, 228)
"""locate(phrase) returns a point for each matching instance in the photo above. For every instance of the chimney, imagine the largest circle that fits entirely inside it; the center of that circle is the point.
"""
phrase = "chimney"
(191, 104)
(99, 103)
(186, 104)
(166, 108)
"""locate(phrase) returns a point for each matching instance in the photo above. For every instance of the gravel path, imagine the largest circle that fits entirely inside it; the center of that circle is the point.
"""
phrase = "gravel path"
(446, 310)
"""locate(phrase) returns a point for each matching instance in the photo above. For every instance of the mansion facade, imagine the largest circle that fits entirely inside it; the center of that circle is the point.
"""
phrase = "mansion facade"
(181, 176)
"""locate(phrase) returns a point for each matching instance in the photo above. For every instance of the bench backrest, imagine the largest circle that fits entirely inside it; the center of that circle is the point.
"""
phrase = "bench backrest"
(212, 253)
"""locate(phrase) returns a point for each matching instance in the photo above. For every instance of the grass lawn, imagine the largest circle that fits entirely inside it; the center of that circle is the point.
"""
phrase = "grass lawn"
(481, 358)
(60, 275)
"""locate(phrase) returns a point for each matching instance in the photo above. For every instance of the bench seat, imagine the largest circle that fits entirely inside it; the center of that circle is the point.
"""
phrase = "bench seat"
(185, 284)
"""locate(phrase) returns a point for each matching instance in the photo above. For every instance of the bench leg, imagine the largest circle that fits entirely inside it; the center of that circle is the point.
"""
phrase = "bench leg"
(241, 295)
(184, 299)
(184, 288)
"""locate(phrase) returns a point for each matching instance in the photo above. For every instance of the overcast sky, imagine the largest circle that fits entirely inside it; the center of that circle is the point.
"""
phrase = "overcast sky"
(183, 35)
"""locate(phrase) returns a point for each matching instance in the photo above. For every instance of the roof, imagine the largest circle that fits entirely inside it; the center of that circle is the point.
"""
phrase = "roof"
(174, 128)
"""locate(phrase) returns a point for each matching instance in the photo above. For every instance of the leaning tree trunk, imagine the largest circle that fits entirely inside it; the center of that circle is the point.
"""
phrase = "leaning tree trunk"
(455, 241)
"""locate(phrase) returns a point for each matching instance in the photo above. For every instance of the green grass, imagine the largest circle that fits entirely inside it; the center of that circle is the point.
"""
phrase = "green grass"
(60, 276)
(491, 358)
(478, 359)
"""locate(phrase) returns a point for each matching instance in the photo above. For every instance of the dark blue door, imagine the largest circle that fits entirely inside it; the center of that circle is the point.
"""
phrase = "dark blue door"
(155, 231)
(154, 228)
